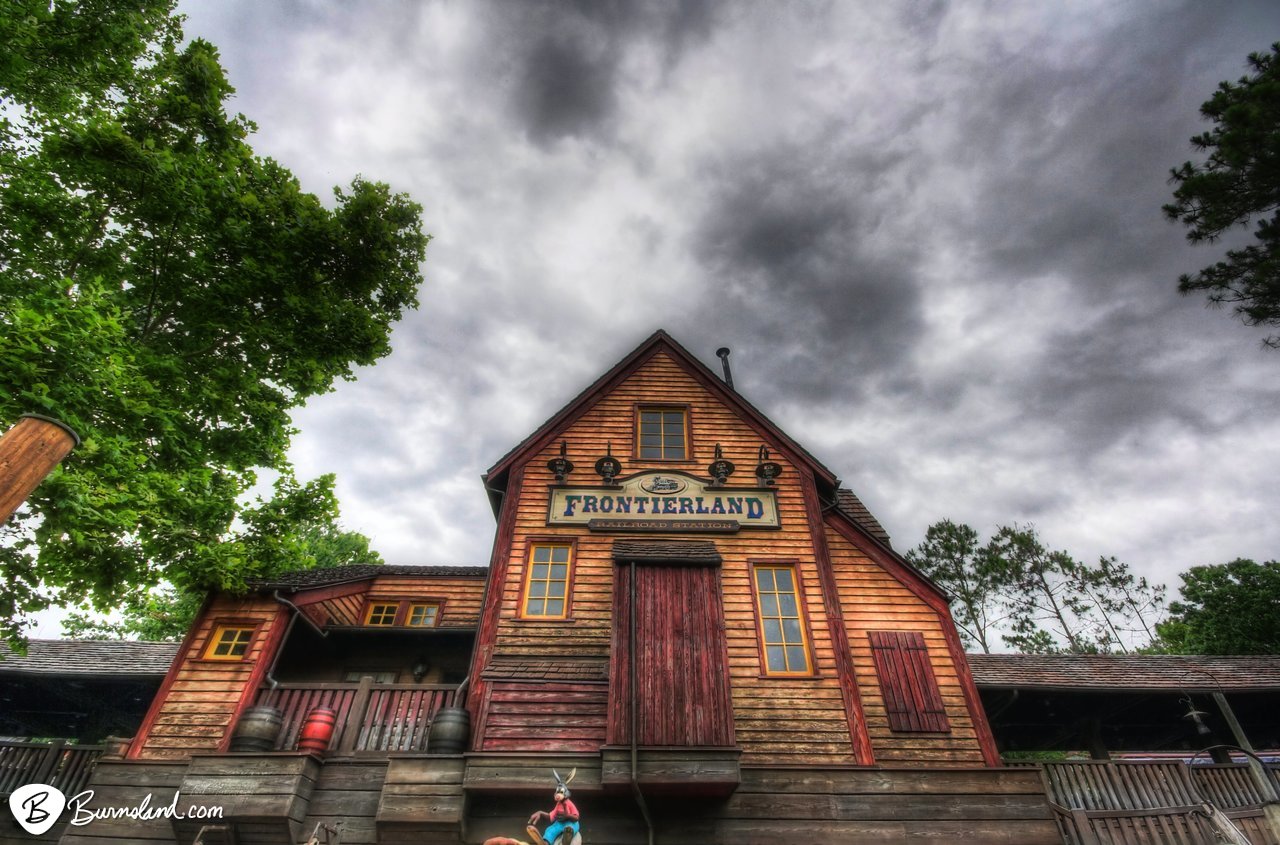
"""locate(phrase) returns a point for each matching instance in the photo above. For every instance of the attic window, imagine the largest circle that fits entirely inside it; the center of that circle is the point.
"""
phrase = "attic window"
(423, 615)
(382, 614)
(663, 434)
(228, 643)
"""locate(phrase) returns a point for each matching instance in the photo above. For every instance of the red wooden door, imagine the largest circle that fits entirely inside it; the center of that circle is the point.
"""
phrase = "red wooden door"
(681, 661)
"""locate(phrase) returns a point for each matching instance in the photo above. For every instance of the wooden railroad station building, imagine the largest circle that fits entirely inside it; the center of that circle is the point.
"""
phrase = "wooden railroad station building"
(683, 606)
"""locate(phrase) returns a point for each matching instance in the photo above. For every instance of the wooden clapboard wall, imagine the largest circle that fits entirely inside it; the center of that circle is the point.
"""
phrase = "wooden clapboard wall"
(460, 597)
(878, 595)
(200, 699)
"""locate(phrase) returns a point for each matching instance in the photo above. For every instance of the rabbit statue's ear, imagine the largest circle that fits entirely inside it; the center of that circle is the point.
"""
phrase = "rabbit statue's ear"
(571, 774)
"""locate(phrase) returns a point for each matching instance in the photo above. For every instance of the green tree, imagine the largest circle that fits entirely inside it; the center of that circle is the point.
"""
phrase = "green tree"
(1229, 609)
(1035, 599)
(952, 556)
(275, 533)
(1238, 183)
(172, 297)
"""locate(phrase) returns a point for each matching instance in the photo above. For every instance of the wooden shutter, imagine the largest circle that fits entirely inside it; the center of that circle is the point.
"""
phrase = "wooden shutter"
(911, 695)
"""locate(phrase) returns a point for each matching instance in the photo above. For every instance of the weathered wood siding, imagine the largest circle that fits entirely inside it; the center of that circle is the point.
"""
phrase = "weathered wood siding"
(198, 702)
(126, 784)
(682, 692)
(782, 720)
(461, 597)
(872, 599)
(525, 716)
(812, 805)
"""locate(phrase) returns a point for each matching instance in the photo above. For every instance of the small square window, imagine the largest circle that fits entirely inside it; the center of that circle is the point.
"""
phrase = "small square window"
(423, 615)
(228, 643)
(662, 435)
(381, 614)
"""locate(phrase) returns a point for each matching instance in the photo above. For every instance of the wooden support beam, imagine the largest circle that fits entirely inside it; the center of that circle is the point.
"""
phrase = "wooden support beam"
(355, 716)
(28, 452)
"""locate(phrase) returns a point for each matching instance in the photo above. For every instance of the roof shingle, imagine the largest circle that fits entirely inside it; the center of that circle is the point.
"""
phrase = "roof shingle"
(666, 551)
(115, 658)
(1126, 671)
(307, 578)
(852, 507)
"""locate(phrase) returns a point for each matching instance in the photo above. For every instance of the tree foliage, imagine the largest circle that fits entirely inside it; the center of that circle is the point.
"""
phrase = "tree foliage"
(1238, 183)
(172, 297)
(1229, 609)
(276, 535)
(1016, 591)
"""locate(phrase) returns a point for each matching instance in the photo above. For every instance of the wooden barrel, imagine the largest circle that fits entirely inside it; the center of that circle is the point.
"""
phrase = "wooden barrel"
(257, 730)
(317, 730)
(450, 731)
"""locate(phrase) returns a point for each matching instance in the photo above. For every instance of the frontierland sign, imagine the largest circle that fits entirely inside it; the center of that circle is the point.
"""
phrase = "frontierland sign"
(664, 501)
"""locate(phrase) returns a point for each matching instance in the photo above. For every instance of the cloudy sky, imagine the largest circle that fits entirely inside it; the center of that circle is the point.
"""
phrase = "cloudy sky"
(929, 231)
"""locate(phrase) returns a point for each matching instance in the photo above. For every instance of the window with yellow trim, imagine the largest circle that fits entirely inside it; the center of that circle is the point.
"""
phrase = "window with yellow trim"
(381, 613)
(782, 633)
(228, 643)
(663, 434)
(423, 615)
(547, 588)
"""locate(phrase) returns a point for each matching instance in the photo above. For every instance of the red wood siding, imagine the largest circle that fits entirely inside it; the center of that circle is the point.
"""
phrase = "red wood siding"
(544, 717)
(911, 697)
(682, 696)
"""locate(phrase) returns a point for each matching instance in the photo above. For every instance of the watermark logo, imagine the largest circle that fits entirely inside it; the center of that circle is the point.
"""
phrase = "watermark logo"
(37, 807)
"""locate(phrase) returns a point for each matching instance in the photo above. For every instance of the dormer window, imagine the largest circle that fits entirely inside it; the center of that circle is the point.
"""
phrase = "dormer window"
(423, 615)
(382, 614)
(663, 434)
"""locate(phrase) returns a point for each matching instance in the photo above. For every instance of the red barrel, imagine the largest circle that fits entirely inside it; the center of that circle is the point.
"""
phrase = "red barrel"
(317, 730)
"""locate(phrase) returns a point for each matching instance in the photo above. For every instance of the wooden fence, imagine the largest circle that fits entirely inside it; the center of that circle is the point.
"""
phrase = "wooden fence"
(371, 717)
(1151, 803)
(54, 763)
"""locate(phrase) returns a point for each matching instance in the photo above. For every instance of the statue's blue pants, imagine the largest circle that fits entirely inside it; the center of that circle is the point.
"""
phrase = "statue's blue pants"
(556, 828)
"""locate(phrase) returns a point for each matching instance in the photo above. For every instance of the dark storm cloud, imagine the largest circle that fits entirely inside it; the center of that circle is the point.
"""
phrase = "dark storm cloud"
(795, 239)
(931, 234)
(562, 63)
(1073, 150)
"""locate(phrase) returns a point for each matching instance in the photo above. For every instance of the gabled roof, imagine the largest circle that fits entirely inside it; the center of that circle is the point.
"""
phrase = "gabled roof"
(85, 658)
(845, 502)
(304, 579)
(1115, 672)
(658, 341)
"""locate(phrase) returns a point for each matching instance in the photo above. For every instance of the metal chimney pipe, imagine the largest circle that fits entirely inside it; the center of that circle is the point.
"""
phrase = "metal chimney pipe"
(723, 354)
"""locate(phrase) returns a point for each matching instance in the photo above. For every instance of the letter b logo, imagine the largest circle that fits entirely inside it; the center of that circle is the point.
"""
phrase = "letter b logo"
(37, 807)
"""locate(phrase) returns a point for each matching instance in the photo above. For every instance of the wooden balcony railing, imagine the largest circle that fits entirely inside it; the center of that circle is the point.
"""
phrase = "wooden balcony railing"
(54, 763)
(371, 717)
